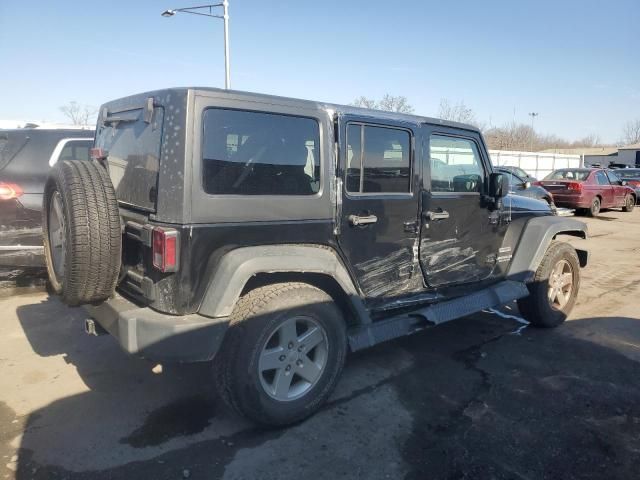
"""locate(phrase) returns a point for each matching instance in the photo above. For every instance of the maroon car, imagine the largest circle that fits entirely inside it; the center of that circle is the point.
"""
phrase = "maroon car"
(589, 189)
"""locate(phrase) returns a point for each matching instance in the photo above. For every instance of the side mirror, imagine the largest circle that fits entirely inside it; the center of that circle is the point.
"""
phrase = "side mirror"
(526, 185)
(497, 183)
(623, 183)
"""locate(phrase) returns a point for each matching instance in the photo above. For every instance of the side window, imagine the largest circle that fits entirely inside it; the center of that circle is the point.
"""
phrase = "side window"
(456, 165)
(70, 150)
(383, 165)
(513, 181)
(354, 157)
(255, 153)
(601, 178)
(75, 150)
(614, 178)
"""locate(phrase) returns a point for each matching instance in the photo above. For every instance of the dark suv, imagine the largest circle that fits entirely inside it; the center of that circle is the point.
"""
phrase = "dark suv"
(272, 235)
(26, 156)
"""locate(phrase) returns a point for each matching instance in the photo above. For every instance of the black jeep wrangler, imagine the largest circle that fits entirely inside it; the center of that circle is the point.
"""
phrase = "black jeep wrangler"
(271, 235)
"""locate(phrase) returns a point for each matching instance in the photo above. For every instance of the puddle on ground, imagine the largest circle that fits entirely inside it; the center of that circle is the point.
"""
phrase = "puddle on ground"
(186, 416)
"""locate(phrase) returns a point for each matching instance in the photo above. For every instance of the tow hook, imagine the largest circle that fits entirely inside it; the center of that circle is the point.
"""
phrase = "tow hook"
(93, 328)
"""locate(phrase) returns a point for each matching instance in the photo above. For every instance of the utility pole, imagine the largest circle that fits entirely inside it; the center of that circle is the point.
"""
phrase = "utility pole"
(533, 115)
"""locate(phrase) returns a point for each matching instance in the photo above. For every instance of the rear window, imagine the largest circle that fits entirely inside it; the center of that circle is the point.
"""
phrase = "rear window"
(133, 155)
(579, 175)
(11, 143)
(255, 153)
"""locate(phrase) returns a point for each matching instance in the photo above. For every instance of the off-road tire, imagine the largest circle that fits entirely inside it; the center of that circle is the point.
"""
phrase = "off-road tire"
(595, 207)
(536, 308)
(256, 314)
(629, 203)
(92, 233)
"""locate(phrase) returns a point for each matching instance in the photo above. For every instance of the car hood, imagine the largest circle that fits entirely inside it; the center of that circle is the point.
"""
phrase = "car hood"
(525, 204)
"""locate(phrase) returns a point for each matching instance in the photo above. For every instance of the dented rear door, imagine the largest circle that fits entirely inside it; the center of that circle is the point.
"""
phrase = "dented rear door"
(377, 229)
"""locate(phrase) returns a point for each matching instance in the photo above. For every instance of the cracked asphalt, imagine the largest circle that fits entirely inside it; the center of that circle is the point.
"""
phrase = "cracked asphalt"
(479, 398)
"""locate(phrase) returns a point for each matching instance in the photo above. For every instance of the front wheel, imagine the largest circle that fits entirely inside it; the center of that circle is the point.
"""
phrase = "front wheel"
(553, 292)
(283, 353)
(629, 203)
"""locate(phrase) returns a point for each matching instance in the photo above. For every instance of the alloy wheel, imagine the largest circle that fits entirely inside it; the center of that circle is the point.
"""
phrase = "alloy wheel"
(293, 358)
(560, 284)
(57, 235)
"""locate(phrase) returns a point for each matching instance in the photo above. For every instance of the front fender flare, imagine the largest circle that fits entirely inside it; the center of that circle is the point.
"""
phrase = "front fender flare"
(534, 241)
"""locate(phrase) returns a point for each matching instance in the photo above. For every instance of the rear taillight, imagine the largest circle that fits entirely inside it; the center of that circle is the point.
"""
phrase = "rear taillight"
(165, 249)
(9, 191)
(98, 153)
(574, 186)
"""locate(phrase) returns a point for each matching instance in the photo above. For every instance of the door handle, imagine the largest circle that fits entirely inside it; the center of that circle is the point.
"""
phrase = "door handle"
(356, 220)
(441, 215)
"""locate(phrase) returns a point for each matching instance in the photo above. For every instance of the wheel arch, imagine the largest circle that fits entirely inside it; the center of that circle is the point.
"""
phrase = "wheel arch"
(536, 238)
(246, 268)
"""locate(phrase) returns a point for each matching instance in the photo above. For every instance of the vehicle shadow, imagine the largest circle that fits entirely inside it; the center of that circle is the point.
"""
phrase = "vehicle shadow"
(469, 399)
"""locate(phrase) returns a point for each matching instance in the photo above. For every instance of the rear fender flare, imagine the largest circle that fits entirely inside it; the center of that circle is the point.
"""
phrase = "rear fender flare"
(237, 267)
(534, 241)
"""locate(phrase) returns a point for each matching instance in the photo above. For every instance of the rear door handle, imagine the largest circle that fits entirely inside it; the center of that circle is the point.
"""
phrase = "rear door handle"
(441, 215)
(356, 220)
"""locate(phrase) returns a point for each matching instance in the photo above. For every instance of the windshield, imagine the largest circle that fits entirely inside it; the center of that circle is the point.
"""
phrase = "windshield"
(579, 175)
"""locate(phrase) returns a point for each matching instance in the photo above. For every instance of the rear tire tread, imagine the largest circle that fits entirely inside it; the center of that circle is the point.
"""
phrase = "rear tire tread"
(225, 371)
(93, 232)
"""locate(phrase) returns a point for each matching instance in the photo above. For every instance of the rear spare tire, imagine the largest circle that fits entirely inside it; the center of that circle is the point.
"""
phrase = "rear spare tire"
(82, 236)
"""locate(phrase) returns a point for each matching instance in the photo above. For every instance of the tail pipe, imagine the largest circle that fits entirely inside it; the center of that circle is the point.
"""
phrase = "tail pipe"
(91, 327)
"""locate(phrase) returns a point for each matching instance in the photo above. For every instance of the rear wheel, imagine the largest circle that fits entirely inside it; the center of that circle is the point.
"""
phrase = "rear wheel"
(594, 210)
(553, 292)
(629, 203)
(283, 353)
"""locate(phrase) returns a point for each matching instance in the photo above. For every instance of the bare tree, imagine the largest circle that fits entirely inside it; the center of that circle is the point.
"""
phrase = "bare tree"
(390, 103)
(365, 102)
(79, 114)
(456, 112)
(520, 136)
(631, 132)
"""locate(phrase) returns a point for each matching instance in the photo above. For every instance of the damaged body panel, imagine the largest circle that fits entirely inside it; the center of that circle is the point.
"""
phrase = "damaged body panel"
(400, 218)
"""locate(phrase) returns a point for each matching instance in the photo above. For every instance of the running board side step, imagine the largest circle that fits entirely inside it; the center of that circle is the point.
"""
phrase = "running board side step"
(366, 336)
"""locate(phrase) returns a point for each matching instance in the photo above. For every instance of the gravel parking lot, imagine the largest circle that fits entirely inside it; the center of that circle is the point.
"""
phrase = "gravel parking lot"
(482, 397)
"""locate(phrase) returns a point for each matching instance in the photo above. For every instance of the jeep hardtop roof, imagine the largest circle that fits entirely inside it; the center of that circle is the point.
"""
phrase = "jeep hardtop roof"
(115, 105)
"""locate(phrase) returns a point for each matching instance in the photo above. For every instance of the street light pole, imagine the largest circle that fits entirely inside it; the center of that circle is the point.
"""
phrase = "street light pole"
(227, 78)
(533, 115)
(224, 16)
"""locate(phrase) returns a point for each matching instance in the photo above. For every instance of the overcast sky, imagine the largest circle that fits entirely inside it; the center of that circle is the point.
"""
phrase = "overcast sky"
(576, 62)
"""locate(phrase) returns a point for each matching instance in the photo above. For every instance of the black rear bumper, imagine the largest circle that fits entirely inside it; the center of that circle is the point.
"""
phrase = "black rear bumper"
(158, 336)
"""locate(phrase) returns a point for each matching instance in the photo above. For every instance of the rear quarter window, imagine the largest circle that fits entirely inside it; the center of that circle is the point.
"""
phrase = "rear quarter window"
(258, 153)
